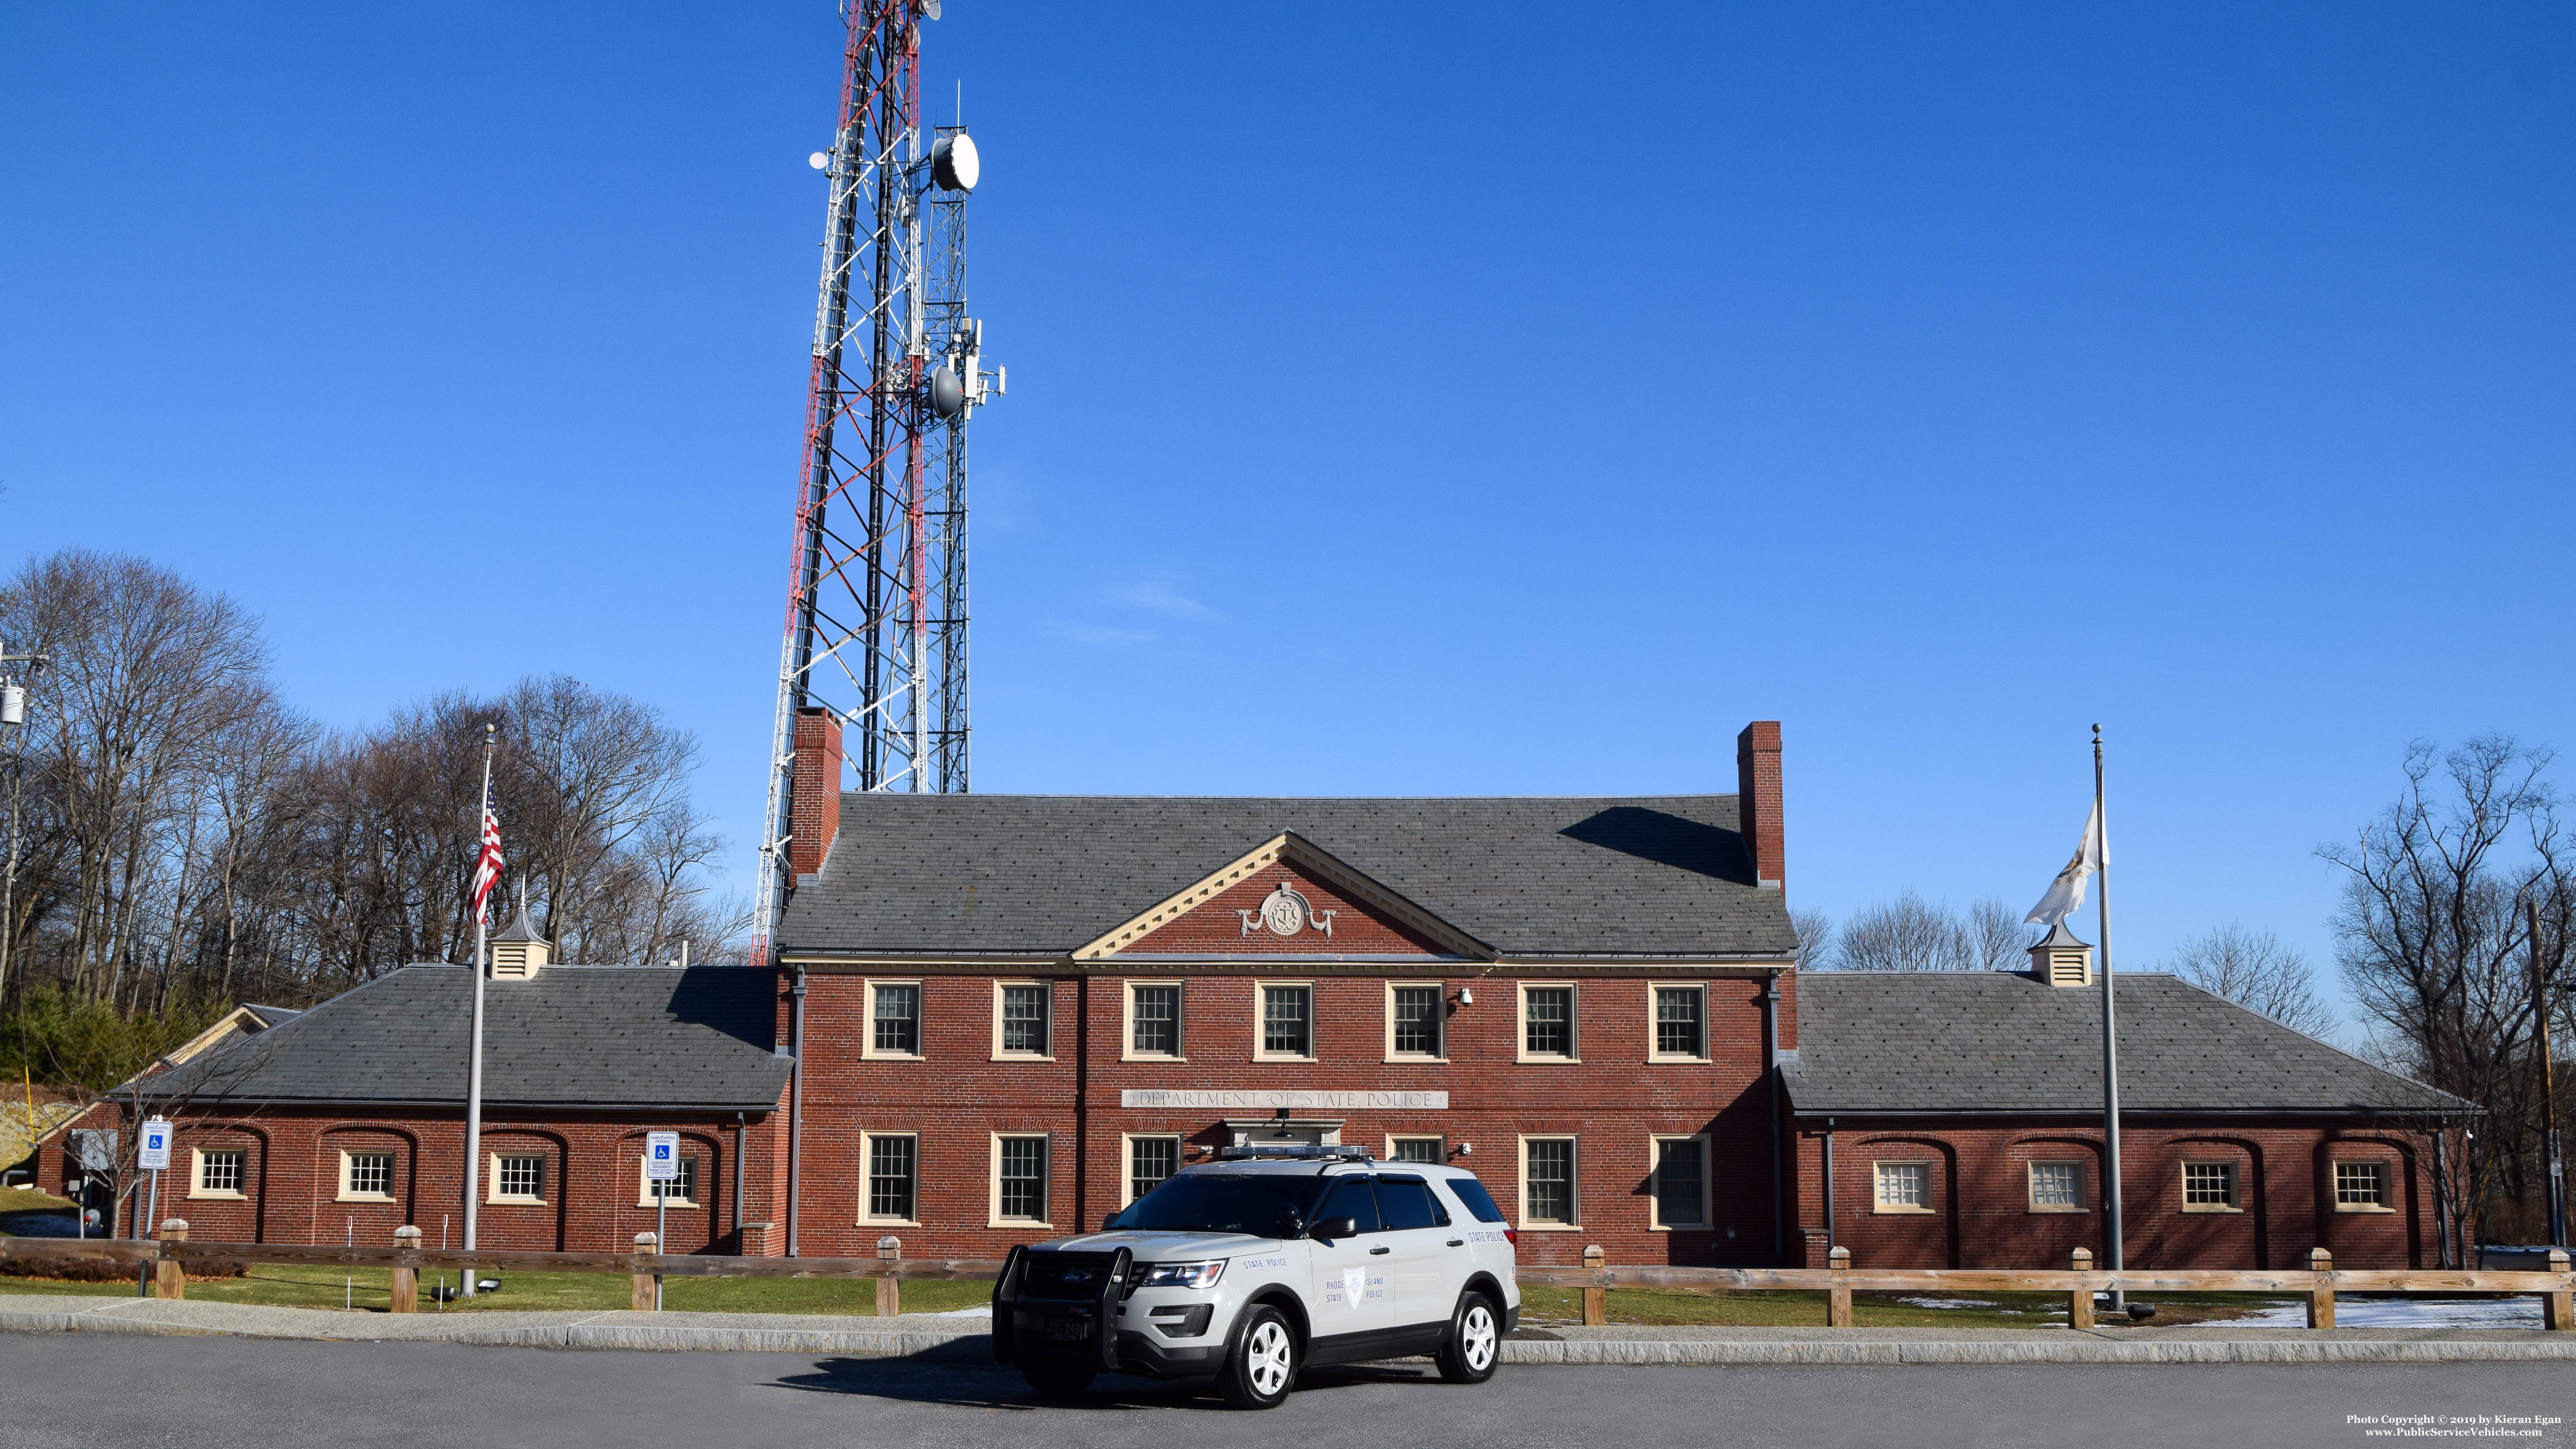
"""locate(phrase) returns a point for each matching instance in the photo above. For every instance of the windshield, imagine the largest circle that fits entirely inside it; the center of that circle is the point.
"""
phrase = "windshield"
(1267, 1205)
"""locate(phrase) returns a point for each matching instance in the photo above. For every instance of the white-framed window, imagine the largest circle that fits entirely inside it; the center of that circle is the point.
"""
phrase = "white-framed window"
(1285, 1030)
(1022, 1012)
(894, 1021)
(1020, 1180)
(2362, 1187)
(1154, 1021)
(367, 1176)
(1551, 1185)
(1416, 1015)
(2056, 1186)
(1151, 1157)
(1434, 1150)
(2209, 1187)
(680, 1191)
(1902, 1187)
(1681, 1185)
(516, 1177)
(1547, 1022)
(217, 1172)
(892, 1192)
(1681, 1024)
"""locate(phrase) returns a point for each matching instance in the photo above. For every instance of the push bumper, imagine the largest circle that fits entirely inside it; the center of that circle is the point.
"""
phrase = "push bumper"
(1062, 1334)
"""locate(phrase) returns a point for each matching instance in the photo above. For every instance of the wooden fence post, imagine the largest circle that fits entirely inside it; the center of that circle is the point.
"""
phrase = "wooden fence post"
(2321, 1293)
(2079, 1299)
(170, 1276)
(647, 1297)
(1838, 1310)
(889, 1289)
(2558, 1305)
(1596, 1299)
(406, 1287)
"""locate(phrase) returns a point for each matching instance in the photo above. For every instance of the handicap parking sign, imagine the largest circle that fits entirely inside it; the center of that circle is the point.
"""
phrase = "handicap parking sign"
(661, 1156)
(154, 1153)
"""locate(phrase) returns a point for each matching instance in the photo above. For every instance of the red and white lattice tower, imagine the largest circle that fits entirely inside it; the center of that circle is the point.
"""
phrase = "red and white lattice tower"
(876, 595)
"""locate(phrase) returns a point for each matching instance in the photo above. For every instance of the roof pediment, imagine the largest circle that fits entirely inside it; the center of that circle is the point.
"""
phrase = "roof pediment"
(1286, 897)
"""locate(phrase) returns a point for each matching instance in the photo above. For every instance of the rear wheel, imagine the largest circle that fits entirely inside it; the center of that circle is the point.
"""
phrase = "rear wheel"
(1058, 1381)
(1474, 1344)
(1263, 1367)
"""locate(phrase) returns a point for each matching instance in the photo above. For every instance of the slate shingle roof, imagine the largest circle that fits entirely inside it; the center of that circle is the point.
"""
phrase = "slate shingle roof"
(1042, 875)
(604, 1036)
(1976, 1042)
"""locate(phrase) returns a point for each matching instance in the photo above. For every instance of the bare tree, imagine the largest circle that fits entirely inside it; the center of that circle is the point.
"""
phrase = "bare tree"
(1912, 934)
(146, 672)
(2434, 945)
(1994, 937)
(1815, 932)
(189, 841)
(2257, 970)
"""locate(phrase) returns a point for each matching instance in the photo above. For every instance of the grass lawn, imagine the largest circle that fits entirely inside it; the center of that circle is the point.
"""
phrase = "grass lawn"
(1545, 1306)
(31, 1200)
(303, 1287)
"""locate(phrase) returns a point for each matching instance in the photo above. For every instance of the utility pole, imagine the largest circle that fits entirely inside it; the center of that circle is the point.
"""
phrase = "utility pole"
(2553, 1166)
(13, 737)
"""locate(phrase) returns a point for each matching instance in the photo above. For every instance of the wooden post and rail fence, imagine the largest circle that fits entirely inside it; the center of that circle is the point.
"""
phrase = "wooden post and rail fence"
(2319, 1282)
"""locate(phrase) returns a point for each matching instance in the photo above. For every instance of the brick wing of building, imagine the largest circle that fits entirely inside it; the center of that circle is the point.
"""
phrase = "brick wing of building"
(1954, 1119)
(995, 1019)
(348, 1119)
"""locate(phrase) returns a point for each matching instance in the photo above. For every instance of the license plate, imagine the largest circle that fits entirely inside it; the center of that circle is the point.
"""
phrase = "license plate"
(1063, 1328)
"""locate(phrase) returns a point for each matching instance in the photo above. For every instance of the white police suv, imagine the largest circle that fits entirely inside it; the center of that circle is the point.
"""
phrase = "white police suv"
(1256, 1265)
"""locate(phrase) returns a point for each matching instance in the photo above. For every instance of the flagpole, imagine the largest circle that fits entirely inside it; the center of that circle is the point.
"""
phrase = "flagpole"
(2110, 1040)
(474, 1051)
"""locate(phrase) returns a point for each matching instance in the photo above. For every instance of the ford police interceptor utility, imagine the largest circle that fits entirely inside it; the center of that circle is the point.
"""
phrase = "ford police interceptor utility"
(1254, 1266)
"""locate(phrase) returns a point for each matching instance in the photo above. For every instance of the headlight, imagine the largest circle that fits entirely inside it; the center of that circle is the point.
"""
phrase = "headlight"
(1183, 1275)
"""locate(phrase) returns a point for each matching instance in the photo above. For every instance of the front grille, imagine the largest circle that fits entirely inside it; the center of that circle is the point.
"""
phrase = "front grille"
(1064, 1275)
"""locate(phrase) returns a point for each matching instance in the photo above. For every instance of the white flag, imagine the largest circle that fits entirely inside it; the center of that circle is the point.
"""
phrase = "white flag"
(2066, 894)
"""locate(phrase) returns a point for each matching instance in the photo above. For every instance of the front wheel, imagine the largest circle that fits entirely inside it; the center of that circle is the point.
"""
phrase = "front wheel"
(1056, 1381)
(1474, 1344)
(1263, 1366)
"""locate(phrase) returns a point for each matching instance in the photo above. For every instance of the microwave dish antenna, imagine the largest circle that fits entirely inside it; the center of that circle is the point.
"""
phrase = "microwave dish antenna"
(954, 164)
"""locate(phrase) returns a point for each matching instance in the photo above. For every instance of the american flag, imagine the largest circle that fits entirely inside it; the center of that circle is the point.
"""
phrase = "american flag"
(487, 866)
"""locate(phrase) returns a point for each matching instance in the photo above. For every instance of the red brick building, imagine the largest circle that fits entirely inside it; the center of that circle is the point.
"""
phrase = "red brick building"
(1953, 1119)
(994, 1019)
(349, 1119)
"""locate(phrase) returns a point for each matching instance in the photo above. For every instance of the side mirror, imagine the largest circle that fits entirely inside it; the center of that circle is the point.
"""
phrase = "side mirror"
(1112, 1221)
(1331, 1228)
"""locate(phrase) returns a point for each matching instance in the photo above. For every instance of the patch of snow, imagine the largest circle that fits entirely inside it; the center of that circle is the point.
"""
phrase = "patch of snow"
(2406, 1313)
(980, 1310)
(1928, 1302)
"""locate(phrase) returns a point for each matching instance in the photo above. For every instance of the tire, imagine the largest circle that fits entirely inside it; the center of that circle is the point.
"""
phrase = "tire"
(1263, 1366)
(1475, 1342)
(1058, 1381)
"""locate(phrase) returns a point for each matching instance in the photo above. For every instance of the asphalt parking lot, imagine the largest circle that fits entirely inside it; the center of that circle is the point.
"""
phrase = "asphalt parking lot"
(60, 1390)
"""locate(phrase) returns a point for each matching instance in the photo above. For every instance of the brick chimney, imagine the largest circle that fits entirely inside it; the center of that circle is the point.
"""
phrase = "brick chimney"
(1757, 799)
(815, 813)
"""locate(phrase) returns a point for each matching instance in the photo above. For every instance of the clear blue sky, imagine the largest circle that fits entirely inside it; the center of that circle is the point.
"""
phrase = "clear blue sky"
(1404, 399)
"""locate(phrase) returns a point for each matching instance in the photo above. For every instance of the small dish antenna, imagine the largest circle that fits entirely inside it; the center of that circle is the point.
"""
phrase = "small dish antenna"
(947, 394)
(954, 164)
(818, 160)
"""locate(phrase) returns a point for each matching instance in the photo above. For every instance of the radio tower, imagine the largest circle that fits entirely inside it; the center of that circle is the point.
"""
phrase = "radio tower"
(876, 591)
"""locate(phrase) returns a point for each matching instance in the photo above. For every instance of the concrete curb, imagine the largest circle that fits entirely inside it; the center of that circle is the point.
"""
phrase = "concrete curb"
(2071, 1349)
(964, 1344)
